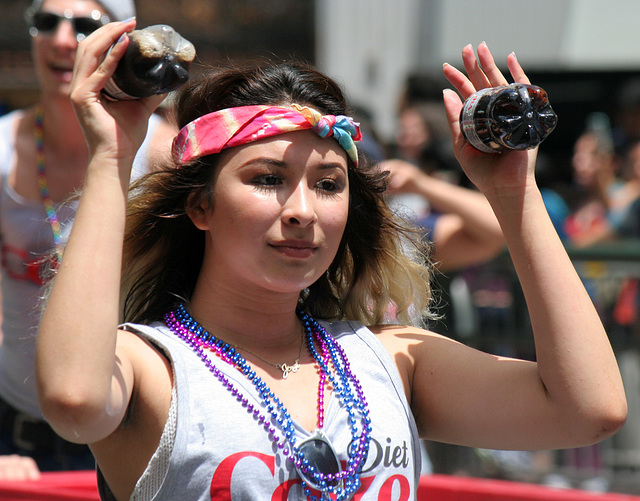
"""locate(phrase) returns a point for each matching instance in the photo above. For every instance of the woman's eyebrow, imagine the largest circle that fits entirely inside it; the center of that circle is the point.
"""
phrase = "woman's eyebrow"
(265, 160)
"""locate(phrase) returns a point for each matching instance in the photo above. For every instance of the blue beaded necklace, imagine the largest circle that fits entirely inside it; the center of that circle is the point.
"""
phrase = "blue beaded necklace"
(314, 458)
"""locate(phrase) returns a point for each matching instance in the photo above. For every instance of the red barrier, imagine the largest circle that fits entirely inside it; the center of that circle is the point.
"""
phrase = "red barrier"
(449, 488)
(58, 486)
(81, 486)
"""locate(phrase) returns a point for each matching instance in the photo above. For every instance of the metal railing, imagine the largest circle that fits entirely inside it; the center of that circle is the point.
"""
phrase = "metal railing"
(484, 307)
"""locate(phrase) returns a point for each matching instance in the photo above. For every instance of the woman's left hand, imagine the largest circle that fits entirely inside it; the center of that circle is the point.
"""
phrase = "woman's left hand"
(490, 172)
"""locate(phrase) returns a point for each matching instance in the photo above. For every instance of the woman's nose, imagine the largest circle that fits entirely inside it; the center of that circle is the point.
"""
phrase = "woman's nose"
(299, 207)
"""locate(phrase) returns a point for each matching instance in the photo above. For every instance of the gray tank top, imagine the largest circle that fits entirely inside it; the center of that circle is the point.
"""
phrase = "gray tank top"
(220, 452)
(26, 239)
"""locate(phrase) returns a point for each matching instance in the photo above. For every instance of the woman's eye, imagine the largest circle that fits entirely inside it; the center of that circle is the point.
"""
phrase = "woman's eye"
(329, 185)
(267, 180)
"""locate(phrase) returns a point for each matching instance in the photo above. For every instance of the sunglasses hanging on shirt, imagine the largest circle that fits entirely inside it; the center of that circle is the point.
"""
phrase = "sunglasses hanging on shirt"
(46, 23)
(321, 463)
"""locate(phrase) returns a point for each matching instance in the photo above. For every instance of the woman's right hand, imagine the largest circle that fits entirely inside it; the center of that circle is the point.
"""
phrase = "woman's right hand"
(403, 176)
(115, 129)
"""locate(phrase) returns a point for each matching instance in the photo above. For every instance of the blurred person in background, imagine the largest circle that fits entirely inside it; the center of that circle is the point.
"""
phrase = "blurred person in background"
(606, 184)
(595, 181)
(425, 184)
(624, 213)
(43, 162)
(458, 220)
(428, 187)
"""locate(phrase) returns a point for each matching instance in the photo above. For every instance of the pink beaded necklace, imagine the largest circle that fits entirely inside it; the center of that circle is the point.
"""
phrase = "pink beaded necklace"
(314, 458)
(49, 208)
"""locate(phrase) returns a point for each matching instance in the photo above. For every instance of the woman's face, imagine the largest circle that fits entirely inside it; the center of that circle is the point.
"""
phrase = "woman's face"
(54, 50)
(587, 161)
(279, 211)
(413, 134)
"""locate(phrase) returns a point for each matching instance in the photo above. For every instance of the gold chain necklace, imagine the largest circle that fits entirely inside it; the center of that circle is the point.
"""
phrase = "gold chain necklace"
(285, 368)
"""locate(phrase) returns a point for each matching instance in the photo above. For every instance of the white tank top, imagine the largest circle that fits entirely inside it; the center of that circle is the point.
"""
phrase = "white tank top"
(220, 452)
(25, 238)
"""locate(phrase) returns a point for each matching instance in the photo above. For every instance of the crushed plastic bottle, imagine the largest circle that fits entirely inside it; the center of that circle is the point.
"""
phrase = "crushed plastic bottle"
(512, 117)
(157, 61)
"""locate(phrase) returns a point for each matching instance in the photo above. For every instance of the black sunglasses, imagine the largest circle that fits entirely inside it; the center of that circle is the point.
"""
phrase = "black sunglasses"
(47, 22)
(320, 459)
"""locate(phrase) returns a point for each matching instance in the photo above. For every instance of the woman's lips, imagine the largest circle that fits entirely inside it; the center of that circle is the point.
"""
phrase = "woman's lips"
(296, 249)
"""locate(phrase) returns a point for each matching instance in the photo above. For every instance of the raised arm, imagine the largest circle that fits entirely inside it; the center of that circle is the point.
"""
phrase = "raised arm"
(84, 375)
(466, 232)
(573, 394)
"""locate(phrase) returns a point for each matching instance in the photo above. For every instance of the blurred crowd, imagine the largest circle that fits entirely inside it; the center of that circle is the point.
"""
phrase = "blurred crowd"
(597, 207)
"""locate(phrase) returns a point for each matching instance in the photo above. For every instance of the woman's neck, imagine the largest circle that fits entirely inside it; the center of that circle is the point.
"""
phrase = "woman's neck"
(259, 318)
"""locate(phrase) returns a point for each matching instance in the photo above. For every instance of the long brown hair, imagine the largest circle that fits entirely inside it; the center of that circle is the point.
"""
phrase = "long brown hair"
(371, 273)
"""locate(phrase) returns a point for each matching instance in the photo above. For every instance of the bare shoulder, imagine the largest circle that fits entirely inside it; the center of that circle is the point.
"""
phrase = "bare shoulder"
(19, 137)
(425, 347)
(20, 133)
(145, 417)
(401, 337)
(151, 369)
(410, 347)
(144, 375)
(137, 346)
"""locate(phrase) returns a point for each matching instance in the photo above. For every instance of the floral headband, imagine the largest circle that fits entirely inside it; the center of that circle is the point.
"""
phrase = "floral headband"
(213, 132)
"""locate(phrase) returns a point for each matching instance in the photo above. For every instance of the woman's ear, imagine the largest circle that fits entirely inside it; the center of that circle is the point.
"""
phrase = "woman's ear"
(199, 214)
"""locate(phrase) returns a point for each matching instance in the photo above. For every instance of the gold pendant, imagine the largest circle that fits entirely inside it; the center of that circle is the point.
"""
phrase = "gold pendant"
(288, 369)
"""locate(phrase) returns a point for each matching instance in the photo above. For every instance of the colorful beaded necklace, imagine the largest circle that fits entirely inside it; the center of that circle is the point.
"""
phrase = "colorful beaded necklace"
(52, 216)
(314, 458)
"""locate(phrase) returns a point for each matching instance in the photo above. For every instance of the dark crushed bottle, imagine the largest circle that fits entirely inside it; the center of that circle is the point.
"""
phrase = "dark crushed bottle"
(156, 61)
(512, 117)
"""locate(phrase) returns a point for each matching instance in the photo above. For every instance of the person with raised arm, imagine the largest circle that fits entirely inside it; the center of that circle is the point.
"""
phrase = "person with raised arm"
(240, 353)
(43, 163)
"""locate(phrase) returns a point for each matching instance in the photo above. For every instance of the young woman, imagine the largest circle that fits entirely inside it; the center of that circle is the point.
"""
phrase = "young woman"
(250, 268)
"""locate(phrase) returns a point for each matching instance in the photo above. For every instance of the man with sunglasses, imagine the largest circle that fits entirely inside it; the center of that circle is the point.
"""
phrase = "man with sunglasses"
(43, 161)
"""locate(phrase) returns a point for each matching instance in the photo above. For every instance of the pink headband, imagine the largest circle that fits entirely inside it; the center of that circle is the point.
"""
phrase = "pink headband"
(230, 127)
